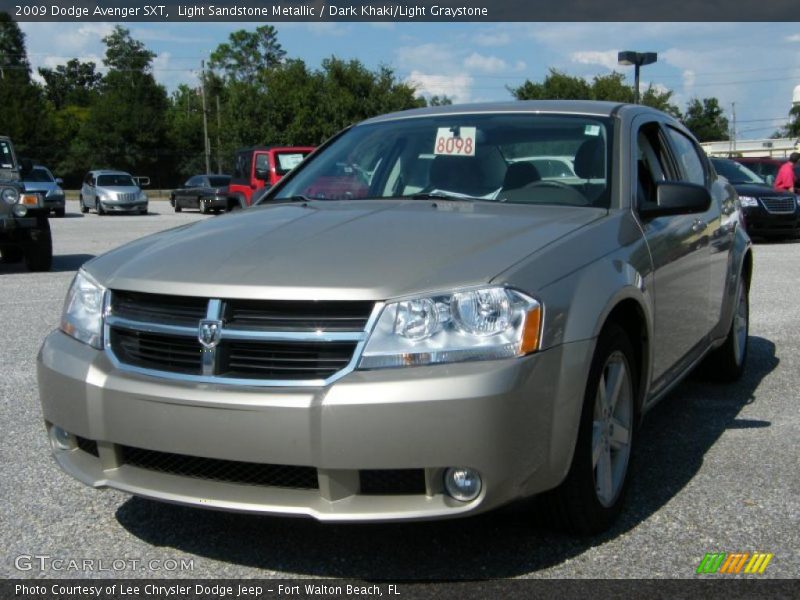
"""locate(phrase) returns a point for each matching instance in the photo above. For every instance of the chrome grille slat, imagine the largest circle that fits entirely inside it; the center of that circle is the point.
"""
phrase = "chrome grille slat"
(779, 205)
(158, 335)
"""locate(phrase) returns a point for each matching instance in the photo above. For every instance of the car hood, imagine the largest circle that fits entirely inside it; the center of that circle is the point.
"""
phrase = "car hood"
(40, 186)
(344, 250)
(754, 189)
(118, 189)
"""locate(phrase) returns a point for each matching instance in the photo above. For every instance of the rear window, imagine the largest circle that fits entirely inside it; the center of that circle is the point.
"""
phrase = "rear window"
(219, 180)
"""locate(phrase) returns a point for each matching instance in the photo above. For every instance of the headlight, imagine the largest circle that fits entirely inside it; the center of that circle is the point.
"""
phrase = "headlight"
(10, 195)
(142, 197)
(83, 311)
(103, 196)
(57, 191)
(748, 201)
(483, 324)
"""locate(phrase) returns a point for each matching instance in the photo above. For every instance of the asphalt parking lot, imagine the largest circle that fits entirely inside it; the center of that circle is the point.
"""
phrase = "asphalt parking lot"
(717, 468)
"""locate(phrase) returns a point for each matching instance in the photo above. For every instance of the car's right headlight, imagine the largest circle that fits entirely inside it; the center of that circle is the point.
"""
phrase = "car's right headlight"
(748, 201)
(10, 195)
(478, 324)
(82, 317)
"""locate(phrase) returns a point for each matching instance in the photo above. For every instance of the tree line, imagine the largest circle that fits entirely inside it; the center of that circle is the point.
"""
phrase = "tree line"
(78, 118)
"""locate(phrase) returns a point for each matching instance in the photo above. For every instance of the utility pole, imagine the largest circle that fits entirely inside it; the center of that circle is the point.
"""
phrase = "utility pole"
(219, 149)
(207, 150)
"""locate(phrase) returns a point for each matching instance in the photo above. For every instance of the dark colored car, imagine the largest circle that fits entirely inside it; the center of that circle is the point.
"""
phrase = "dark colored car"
(767, 212)
(206, 193)
(40, 180)
(765, 167)
(261, 167)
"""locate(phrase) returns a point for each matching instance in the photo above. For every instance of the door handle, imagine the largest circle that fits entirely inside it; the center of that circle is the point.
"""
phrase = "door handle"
(699, 225)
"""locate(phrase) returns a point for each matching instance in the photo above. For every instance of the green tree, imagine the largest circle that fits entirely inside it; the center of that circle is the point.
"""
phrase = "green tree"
(185, 131)
(706, 120)
(792, 128)
(556, 86)
(442, 100)
(123, 53)
(23, 112)
(75, 83)
(247, 53)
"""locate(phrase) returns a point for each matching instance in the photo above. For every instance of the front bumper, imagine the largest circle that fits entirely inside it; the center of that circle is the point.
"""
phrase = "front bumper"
(54, 202)
(515, 421)
(116, 206)
(759, 221)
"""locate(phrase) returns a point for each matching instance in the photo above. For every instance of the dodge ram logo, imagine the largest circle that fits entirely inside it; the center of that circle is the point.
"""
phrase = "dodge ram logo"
(209, 332)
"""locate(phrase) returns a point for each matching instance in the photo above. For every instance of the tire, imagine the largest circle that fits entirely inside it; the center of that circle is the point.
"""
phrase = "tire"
(726, 363)
(143, 211)
(592, 495)
(202, 206)
(176, 205)
(12, 254)
(98, 207)
(39, 251)
(84, 209)
(60, 212)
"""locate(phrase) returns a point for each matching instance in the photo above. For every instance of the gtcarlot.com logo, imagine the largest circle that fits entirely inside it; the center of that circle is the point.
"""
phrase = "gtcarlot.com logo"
(734, 563)
(46, 562)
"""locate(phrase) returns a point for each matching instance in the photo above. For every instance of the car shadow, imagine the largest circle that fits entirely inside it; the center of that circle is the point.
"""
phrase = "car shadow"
(510, 542)
(69, 262)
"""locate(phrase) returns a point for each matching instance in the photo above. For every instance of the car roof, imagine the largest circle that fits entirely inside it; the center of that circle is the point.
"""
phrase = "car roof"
(109, 172)
(581, 107)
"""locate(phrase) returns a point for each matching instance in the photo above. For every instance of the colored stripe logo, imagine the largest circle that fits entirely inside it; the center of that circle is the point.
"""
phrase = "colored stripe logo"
(734, 563)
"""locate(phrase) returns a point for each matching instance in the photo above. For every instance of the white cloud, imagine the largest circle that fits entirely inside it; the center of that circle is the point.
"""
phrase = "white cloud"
(485, 64)
(793, 38)
(500, 38)
(456, 87)
(604, 58)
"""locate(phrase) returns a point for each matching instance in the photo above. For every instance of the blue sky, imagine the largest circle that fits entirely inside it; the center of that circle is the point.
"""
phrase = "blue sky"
(755, 65)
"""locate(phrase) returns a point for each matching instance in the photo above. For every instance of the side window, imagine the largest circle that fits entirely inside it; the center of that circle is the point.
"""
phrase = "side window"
(691, 165)
(262, 162)
(652, 164)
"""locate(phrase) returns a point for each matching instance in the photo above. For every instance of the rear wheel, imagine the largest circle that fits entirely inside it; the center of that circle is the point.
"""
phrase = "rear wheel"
(84, 209)
(726, 363)
(12, 254)
(39, 251)
(592, 495)
(176, 205)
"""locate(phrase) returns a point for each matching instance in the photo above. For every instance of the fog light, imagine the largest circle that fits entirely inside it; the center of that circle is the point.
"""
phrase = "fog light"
(462, 484)
(62, 440)
(20, 210)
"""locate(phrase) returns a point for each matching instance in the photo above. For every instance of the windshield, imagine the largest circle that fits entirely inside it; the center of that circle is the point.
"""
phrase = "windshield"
(219, 180)
(515, 158)
(116, 180)
(735, 172)
(39, 175)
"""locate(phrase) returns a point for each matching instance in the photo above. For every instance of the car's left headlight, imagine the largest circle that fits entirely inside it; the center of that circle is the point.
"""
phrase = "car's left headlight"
(748, 201)
(479, 324)
(82, 317)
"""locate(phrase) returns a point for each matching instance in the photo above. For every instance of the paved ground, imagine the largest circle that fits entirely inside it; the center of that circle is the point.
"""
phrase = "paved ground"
(717, 470)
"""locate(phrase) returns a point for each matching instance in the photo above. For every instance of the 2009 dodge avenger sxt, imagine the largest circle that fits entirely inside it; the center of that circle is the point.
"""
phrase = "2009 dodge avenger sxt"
(420, 321)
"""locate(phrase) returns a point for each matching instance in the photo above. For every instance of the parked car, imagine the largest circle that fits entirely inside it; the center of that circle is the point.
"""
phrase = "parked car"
(766, 212)
(402, 354)
(40, 180)
(108, 191)
(24, 229)
(206, 193)
(261, 167)
(765, 167)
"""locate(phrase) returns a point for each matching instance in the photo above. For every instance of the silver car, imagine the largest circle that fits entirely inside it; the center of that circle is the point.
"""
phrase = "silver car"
(40, 180)
(413, 324)
(110, 192)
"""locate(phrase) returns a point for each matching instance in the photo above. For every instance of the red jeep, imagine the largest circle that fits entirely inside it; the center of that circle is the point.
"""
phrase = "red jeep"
(262, 167)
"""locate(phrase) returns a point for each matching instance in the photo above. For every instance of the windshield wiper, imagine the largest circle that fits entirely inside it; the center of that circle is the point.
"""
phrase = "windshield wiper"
(440, 196)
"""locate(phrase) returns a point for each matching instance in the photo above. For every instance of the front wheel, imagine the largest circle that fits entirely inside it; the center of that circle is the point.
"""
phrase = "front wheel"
(592, 495)
(98, 207)
(60, 212)
(39, 251)
(84, 208)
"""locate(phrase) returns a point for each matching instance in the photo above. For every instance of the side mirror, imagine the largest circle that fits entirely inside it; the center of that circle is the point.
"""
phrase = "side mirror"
(677, 198)
(262, 174)
(59, 181)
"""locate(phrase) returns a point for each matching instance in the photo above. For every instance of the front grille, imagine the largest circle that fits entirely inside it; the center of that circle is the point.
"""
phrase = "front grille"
(228, 471)
(171, 353)
(127, 197)
(283, 315)
(392, 482)
(279, 360)
(779, 204)
(260, 340)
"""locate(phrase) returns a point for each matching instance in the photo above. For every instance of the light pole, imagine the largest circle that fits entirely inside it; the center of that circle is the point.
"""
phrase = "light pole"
(637, 59)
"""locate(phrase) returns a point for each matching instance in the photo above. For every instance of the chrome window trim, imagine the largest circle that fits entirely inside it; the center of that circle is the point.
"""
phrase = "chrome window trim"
(360, 337)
